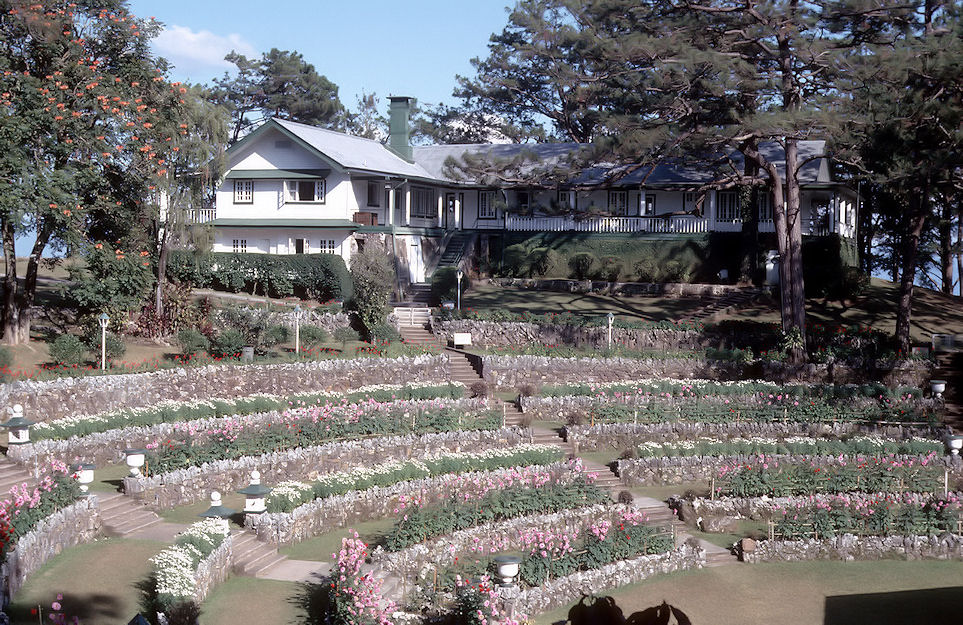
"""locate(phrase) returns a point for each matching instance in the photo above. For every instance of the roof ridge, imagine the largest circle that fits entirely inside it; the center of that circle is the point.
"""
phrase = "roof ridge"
(328, 130)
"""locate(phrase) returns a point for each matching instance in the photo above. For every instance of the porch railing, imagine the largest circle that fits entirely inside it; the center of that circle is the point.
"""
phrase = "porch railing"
(670, 224)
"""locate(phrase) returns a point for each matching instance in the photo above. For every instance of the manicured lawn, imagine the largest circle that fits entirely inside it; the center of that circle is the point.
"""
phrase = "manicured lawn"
(250, 600)
(98, 581)
(805, 593)
(188, 514)
(321, 547)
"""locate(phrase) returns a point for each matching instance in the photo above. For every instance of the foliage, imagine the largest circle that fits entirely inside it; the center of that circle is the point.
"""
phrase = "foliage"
(110, 280)
(356, 598)
(444, 284)
(373, 278)
(500, 315)
(344, 335)
(175, 566)
(192, 341)
(173, 412)
(26, 505)
(6, 357)
(583, 265)
(68, 349)
(860, 445)
(253, 324)
(312, 336)
(384, 333)
(275, 335)
(228, 344)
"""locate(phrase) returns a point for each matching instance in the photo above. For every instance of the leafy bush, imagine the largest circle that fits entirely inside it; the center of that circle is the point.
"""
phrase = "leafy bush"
(312, 336)
(6, 357)
(344, 335)
(275, 335)
(111, 276)
(192, 341)
(384, 333)
(611, 269)
(228, 344)
(544, 261)
(444, 284)
(646, 270)
(68, 349)
(114, 344)
(254, 324)
(583, 265)
(374, 279)
(516, 261)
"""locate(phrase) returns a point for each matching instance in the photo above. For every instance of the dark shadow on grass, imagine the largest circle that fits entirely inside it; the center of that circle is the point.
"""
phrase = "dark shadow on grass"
(605, 611)
(315, 601)
(89, 608)
(930, 606)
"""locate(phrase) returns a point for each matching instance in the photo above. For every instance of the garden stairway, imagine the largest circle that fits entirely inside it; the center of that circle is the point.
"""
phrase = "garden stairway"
(12, 474)
(725, 304)
(949, 367)
(251, 556)
(122, 516)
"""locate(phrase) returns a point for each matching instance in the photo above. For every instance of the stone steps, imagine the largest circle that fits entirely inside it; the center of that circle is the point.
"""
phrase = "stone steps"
(12, 474)
(122, 516)
(251, 556)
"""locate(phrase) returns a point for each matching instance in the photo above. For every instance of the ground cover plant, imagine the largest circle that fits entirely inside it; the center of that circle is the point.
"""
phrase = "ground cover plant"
(174, 566)
(769, 476)
(287, 496)
(235, 437)
(797, 445)
(569, 319)
(629, 390)
(173, 412)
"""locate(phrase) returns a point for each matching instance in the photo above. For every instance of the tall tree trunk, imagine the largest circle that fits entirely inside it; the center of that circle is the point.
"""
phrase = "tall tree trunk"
(750, 227)
(945, 230)
(162, 254)
(794, 246)
(11, 314)
(28, 293)
(959, 250)
(911, 246)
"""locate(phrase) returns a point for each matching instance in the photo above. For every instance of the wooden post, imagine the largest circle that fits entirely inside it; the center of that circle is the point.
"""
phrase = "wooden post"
(946, 482)
(503, 414)
(712, 488)
(772, 530)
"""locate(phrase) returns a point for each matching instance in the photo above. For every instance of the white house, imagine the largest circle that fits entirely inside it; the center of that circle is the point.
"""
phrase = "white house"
(292, 189)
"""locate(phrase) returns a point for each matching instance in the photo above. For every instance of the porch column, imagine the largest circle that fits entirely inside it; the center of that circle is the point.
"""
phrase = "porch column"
(457, 211)
(407, 204)
(441, 209)
(711, 210)
(391, 204)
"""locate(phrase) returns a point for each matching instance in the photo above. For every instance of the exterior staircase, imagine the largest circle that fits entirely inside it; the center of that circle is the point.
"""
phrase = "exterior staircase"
(725, 304)
(455, 250)
(12, 474)
(122, 515)
(410, 317)
(251, 556)
(949, 367)
(417, 295)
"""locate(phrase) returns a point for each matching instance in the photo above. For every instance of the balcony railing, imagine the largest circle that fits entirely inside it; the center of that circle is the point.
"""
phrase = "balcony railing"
(200, 215)
(669, 224)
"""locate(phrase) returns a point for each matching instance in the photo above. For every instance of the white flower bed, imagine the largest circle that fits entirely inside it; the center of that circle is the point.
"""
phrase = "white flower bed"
(176, 567)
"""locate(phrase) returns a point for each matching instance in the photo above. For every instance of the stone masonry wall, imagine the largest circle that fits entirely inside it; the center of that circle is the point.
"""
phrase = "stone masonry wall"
(213, 570)
(850, 547)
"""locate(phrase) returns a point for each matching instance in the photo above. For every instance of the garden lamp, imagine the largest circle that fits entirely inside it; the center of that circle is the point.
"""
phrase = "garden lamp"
(104, 319)
(507, 569)
(611, 318)
(217, 511)
(18, 428)
(459, 274)
(135, 459)
(254, 494)
(297, 330)
(85, 475)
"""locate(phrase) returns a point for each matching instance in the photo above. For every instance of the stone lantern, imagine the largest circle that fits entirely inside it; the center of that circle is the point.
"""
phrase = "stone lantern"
(17, 426)
(254, 494)
(217, 511)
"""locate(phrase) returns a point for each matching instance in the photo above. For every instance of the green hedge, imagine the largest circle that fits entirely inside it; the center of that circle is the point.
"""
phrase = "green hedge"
(316, 276)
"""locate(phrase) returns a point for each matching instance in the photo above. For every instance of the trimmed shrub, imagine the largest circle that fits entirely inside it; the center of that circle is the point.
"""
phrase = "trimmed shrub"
(275, 335)
(114, 345)
(312, 336)
(374, 279)
(6, 357)
(611, 269)
(515, 263)
(345, 334)
(228, 344)
(68, 349)
(544, 261)
(582, 265)
(444, 284)
(192, 341)
(384, 333)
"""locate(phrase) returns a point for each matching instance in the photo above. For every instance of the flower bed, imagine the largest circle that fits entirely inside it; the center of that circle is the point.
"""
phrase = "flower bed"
(174, 411)
(686, 469)
(323, 515)
(186, 486)
(71, 525)
(287, 496)
(198, 559)
(25, 505)
(627, 436)
(849, 547)
(639, 389)
(355, 598)
(795, 445)
(726, 408)
(45, 401)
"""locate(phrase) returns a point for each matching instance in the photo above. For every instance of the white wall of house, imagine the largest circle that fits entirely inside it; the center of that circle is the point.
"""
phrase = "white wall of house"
(283, 241)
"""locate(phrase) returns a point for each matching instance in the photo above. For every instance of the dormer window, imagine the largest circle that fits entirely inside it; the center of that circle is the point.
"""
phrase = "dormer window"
(304, 191)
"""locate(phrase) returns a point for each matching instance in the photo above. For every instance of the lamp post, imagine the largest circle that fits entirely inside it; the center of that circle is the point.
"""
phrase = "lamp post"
(459, 274)
(611, 318)
(217, 511)
(18, 428)
(254, 494)
(104, 319)
(297, 331)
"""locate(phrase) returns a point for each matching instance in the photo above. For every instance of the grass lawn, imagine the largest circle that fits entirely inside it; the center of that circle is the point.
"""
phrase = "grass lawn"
(98, 581)
(932, 311)
(804, 593)
(188, 514)
(250, 600)
(321, 547)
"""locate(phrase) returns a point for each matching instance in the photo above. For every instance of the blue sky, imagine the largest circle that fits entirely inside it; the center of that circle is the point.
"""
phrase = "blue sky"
(413, 47)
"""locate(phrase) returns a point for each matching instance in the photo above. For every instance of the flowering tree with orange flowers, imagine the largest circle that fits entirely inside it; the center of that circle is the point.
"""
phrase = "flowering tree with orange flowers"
(85, 131)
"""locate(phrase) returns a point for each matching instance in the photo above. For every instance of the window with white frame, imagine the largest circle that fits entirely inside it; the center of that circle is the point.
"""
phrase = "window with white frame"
(567, 200)
(304, 191)
(239, 246)
(728, 206)
(243, 191)
(374, 194)
(486, 205)
(647, 204)
(764, 202)
(618, 203)
(328, 246)
(423, 203)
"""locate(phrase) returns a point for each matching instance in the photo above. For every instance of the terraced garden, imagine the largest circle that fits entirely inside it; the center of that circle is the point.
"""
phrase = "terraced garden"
(395, 502)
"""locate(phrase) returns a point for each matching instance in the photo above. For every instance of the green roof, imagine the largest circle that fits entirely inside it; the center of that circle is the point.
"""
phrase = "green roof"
(337, 224)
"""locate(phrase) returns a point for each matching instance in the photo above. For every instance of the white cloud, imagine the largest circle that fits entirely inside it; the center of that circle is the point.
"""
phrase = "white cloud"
(199, 55)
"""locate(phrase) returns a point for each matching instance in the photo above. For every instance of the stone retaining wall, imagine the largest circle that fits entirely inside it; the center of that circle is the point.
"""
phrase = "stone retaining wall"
(516, 333)
(54, 399)
(569, 589)
(625, 436)
(665, 289)
(73, 525)
(108, 447)
(510, 372)
(850, 547)
(322, 515)
(186, 486)
(213, 570)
